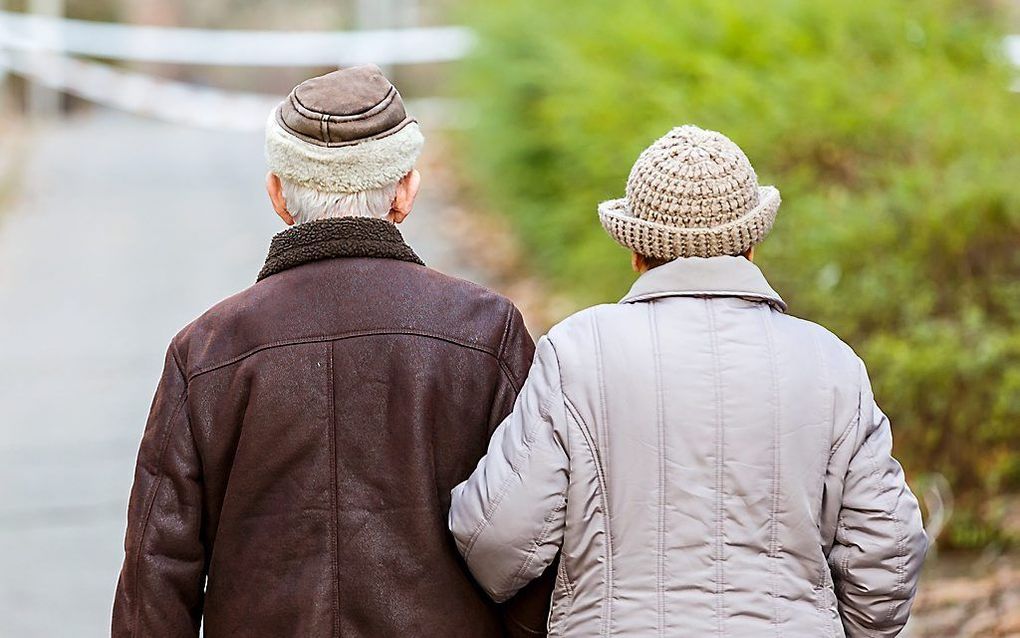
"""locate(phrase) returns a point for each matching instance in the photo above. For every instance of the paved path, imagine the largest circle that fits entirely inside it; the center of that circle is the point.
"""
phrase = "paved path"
(123, 231)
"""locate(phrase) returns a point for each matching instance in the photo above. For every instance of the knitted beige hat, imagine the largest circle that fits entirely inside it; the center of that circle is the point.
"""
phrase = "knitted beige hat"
(692, 193)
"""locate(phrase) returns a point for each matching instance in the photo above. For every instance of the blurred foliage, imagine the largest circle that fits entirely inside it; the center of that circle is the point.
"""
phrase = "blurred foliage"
(890, 129)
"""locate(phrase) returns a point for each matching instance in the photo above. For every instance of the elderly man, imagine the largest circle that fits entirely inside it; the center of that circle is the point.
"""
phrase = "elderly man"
(295, 472)
(708, 464)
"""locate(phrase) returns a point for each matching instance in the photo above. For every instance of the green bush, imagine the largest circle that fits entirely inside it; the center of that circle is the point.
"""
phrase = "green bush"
(891, 132)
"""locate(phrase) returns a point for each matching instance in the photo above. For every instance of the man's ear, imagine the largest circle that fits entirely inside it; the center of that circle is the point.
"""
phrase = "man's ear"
(407, 191)
(275, 189)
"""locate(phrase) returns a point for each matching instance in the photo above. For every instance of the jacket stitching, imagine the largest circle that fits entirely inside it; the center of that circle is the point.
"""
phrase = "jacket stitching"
(509, 377)
(823, 600)
(164, 444)
(607, 603)
(340, 337)
(603, 489)
(660, 557)
(544, 410)
(901, 549)
(333, 483)
(560, 610)
(844, 562)
(720, 602)
(841, 526)
(503, 365)
(360, 115)
(854, 421)
(775, 302)
(506, 332)
(776, 468)
(538, 542)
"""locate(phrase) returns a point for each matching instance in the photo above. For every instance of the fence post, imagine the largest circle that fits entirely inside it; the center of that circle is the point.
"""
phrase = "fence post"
(374, 14)
(4, 97)
(43, 101)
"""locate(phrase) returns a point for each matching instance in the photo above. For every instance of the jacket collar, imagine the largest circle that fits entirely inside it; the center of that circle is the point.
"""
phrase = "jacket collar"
(333, 238)
(701, 277)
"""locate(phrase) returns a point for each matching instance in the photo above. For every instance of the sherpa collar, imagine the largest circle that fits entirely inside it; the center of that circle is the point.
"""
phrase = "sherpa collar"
(705, 277)
(333, 238)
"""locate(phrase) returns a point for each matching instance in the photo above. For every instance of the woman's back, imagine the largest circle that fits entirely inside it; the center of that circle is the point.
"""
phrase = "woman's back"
(707, 465)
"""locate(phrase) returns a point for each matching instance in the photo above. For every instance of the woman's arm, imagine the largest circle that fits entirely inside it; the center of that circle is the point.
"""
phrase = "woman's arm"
(507, 517)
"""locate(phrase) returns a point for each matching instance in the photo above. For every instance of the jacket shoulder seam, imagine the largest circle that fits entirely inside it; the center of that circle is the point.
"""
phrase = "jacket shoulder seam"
(506, 331)
(503, 365)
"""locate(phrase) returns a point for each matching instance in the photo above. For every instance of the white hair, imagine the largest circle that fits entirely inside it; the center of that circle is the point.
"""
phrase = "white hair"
(307, 204)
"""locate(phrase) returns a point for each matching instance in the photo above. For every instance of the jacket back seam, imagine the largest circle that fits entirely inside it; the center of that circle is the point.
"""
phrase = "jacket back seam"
(776, 469)
(607, 603)
(822, 601)
(334, 536)
(720, 593)
(660, 548)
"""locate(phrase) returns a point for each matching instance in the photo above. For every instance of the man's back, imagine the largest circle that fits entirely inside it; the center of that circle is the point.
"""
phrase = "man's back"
(302, 448)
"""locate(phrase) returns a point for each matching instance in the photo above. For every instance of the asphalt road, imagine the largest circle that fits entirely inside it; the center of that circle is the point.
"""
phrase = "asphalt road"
(123, 230)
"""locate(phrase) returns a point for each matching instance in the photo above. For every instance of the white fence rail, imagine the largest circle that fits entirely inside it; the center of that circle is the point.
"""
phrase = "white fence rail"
(42, 49)
(178, 102)
(231, 48)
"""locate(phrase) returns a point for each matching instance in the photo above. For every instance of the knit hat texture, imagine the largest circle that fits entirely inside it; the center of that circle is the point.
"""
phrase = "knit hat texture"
(692, 193)
(343, 132)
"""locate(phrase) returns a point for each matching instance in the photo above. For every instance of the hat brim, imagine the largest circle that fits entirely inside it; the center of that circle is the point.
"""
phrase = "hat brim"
(354, 168)
(662, 241)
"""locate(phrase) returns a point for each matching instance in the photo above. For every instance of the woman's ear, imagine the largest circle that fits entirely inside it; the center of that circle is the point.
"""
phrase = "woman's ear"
(275, 189)
(407, 191)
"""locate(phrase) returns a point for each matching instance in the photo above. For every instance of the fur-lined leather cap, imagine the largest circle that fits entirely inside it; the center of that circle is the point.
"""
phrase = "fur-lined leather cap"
(344, 107)
(343, 132)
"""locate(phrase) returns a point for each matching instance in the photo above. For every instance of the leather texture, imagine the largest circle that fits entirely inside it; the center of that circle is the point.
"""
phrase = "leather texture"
(295, 472)
(705, 464)
(344, 107)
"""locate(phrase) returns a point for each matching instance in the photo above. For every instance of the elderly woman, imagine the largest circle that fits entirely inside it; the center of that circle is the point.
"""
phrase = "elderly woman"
(704, 463)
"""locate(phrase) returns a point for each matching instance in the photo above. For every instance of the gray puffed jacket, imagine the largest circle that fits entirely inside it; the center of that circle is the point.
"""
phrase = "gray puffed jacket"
(705, 464)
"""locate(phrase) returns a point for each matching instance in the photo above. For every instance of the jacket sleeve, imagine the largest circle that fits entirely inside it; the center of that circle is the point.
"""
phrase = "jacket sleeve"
(508, 517)
(526, 614)
(880, 542)
(160, 591)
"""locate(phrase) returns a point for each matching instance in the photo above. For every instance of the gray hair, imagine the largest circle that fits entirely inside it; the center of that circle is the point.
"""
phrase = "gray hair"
(307, 204)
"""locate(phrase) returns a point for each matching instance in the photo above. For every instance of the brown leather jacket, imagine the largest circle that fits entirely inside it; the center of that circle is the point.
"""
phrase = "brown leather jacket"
(294, 476)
